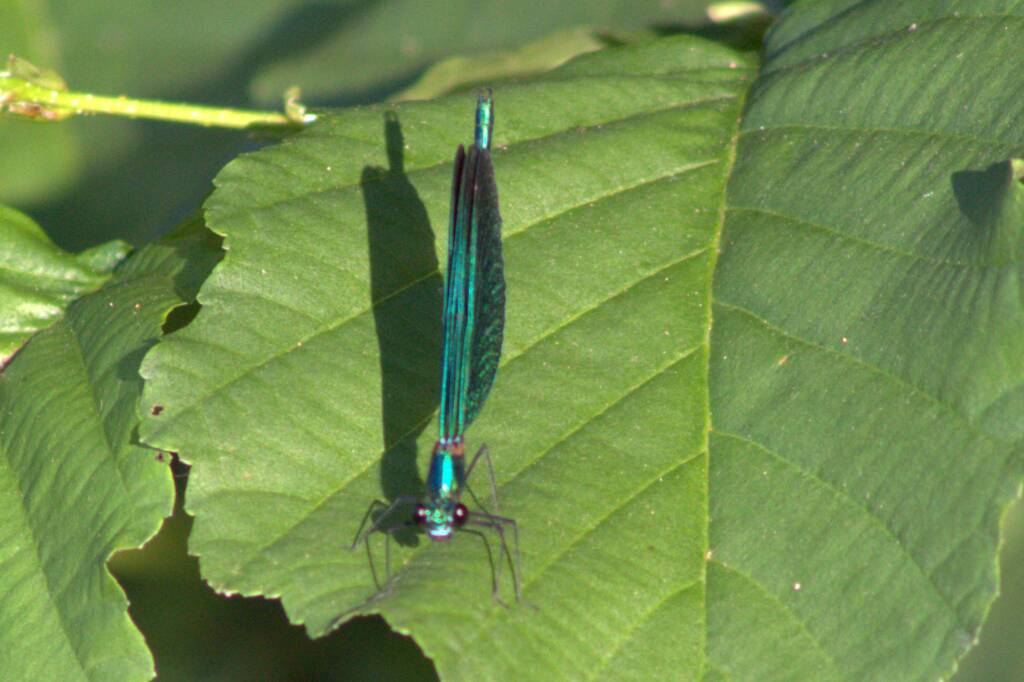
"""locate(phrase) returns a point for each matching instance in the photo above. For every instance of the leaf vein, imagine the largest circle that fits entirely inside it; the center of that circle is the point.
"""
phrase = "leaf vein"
(931, 134)
(607, 659)
(870, 513)
(621, 503)
(853, 359)
(785, 607)
(224, 211)
(548, 333)
(885, 248)
(614, 192)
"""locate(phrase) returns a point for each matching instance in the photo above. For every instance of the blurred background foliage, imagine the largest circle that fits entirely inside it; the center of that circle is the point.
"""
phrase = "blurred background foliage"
(89, 180)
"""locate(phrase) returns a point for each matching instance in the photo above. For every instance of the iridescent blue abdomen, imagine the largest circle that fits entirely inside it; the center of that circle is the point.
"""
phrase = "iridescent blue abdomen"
(447, 471)
(442, 512)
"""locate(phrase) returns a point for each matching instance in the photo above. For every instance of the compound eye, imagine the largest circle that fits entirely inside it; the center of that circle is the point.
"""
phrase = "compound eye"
(460, 515)
(419, 514)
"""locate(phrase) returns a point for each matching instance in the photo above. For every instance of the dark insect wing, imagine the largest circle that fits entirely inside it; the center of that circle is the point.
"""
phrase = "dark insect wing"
(488, 306)
(474, 309)
(454, 318)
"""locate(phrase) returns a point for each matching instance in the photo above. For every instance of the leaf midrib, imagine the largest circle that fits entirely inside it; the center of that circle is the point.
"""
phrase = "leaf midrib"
(53, 590)
(716, 247)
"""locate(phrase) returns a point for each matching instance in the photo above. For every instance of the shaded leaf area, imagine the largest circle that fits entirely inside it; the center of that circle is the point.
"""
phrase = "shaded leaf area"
(307, 386)
(38, 280)
(867, 373)
(74, 486)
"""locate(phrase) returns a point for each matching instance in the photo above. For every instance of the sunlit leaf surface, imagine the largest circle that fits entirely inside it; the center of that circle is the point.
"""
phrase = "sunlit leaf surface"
(38, 280)
(758, 410)
(74, 484)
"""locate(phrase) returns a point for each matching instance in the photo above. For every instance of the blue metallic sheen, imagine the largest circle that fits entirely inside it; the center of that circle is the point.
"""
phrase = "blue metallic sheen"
(473, 322)
(484, 120)
(445, 478)
(446, 474)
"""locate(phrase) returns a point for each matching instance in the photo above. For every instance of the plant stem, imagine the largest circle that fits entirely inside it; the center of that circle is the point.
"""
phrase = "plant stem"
(47, 100)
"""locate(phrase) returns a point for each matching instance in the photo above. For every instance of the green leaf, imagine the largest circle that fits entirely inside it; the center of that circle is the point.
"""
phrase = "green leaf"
(867, 374)
(74, 485)
(808, 488)
(288, 387)
(38, 280)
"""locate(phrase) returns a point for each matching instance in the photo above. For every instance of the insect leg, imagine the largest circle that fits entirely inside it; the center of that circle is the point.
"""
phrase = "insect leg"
(379, 521)
(495, 576)
(498, 524)
(486, 454)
